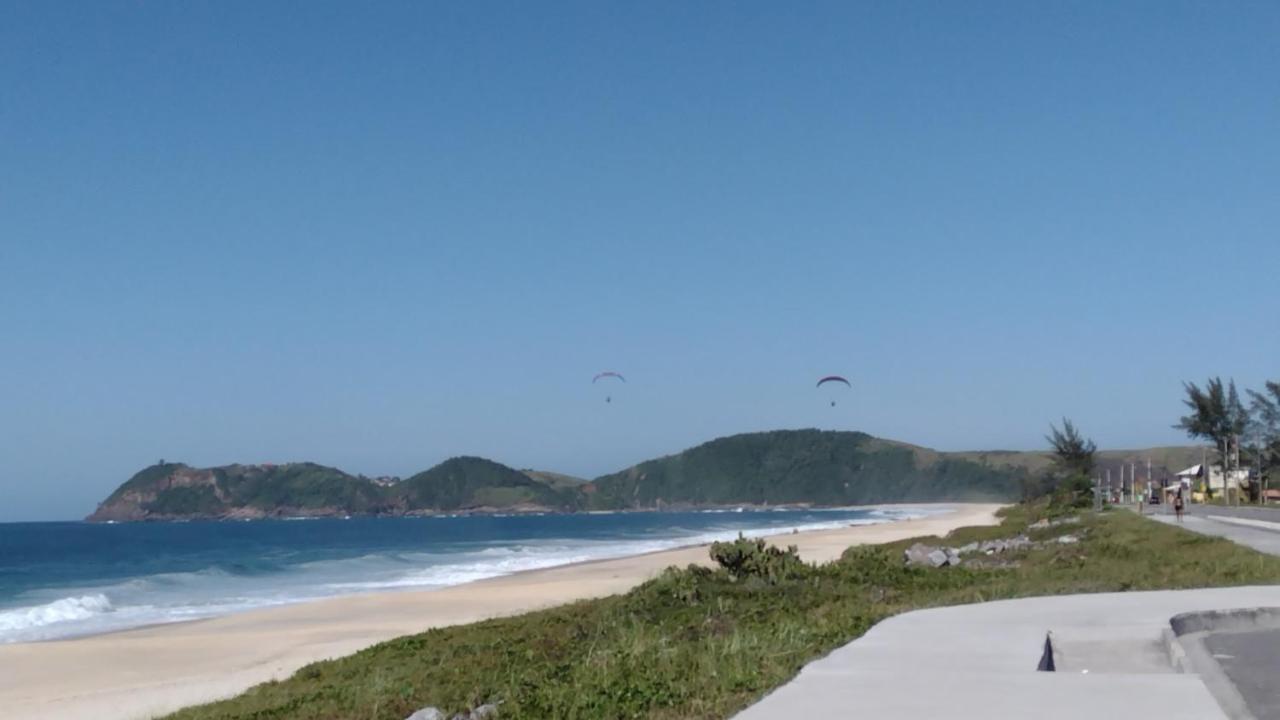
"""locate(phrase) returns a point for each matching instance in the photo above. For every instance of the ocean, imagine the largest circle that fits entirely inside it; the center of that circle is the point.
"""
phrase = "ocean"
(67, 579)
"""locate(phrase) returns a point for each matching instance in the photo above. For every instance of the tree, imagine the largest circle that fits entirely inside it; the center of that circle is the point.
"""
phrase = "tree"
(1072, 461)
(1264, 427)
(1216, 415)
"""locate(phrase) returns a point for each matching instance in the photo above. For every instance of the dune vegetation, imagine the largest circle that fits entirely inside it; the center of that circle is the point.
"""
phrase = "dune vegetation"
(704, 643)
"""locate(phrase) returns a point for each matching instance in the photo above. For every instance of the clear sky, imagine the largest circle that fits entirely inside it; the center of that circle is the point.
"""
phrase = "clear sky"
(375, 236)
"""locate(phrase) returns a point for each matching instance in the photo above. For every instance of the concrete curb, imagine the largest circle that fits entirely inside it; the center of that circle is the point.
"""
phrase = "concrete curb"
(1185, 641)
(1177, 655)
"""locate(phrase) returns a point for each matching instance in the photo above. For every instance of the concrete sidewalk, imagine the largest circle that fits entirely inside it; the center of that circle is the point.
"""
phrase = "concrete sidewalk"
(1260, 535)
(979, 661)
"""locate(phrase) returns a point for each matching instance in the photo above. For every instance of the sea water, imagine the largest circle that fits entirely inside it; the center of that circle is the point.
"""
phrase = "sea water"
(64, 579)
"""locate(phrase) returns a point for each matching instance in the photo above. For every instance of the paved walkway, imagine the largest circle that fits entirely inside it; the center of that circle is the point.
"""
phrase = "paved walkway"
(1236, 524)
(979, 661)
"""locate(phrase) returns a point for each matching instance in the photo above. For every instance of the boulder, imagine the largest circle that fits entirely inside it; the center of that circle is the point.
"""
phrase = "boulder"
(1068, 539)
(427, 713)
(930, 555)
(485, 712)
(917, 554)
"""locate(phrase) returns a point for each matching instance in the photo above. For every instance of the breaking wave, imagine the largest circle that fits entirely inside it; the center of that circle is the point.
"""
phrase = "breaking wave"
(248, 578)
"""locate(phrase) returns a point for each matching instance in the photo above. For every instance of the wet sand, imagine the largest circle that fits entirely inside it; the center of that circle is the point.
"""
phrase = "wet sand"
(148, 671)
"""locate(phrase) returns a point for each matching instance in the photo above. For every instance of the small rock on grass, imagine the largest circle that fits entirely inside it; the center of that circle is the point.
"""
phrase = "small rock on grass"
(427, 713)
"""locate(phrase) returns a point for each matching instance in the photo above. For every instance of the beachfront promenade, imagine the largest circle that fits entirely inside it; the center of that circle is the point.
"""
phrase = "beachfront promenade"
(1258, 528)
(979, 661)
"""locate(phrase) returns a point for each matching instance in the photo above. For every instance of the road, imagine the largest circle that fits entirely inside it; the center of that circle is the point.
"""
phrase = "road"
(1250, 659)
(1252, 662)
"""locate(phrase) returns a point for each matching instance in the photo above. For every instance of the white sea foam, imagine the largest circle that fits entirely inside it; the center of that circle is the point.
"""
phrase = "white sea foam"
(172, 597)
(61, 610)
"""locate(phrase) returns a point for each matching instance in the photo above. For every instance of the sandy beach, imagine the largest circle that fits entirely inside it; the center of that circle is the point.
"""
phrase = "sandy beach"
(149, 671)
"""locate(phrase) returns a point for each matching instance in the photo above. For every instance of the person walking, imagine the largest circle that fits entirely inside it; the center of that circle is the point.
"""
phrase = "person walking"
(1177, 505)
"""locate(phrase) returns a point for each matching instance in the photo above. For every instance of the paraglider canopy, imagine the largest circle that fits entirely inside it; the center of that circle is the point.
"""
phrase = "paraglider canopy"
(604, 375)
(833, 379)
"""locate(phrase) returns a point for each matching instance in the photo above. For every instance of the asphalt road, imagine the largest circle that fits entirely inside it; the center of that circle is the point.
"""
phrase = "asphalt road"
(1250, 659)
(1252, 662)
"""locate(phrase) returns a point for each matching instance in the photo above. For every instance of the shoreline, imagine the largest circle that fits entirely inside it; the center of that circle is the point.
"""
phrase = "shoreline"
(477, 512)
(938, 508)
(682, 543)
(144, 671)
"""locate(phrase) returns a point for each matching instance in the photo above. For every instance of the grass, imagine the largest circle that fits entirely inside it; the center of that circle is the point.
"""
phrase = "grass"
(698, 643)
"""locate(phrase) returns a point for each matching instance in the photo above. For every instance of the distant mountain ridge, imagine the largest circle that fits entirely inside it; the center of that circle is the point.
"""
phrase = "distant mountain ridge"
(791, 467)
(175, 491)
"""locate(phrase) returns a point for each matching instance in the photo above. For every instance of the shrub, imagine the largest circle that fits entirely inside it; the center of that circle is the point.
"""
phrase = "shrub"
(745, 558)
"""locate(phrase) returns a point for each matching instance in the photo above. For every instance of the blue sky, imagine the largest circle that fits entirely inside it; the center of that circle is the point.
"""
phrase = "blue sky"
(375, 237)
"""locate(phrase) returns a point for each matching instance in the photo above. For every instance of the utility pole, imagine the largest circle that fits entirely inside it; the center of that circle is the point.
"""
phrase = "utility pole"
(1148, 474)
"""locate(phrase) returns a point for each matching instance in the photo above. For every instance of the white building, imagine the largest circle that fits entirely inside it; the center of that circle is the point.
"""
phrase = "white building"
(1194, 476)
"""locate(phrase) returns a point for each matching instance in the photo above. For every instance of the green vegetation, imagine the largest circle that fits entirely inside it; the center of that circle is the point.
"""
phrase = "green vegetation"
(468, 482)
(1216, 415)
(803, 466)
(755, 558)
(703, 643)
(1251, 434)
(785, 466)
(1073, 462)
(147, 478)
(770, 468)
(1264, 427)
(559, 481)
(304, 486)
(185, 500)
(174, 490)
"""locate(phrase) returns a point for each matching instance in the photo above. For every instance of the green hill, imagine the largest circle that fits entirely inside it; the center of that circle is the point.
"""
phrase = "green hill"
(559, 481)
(804, 466)
(174, 491)
(809, 467)
(468, 483)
